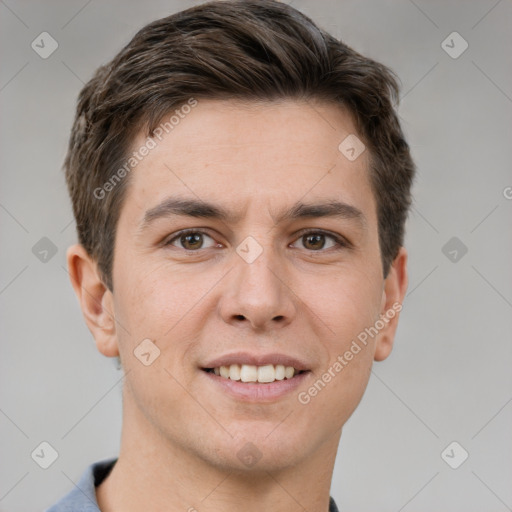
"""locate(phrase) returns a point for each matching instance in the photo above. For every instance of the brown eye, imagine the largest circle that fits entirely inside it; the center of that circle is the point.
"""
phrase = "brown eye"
(191, 240)
(314, 241)
(318, 240)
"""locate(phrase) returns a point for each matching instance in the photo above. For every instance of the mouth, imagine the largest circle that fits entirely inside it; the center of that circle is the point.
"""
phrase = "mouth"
(256, 378)
(253, 374)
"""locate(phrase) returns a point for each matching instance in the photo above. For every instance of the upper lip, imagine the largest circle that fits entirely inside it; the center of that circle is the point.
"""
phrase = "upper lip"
(256, 360)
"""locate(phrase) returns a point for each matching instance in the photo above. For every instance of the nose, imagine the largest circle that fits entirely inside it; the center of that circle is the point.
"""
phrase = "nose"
(256, 294)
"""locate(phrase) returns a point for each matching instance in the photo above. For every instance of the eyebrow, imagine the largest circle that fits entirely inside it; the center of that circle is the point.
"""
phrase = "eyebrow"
(175, 206)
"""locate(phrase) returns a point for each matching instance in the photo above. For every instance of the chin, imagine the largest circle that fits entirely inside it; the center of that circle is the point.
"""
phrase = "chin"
(257, 451)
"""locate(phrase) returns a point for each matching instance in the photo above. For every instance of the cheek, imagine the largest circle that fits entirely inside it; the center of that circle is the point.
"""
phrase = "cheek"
(165, 307)
(337, 388)
(347, 303)
(152, 300)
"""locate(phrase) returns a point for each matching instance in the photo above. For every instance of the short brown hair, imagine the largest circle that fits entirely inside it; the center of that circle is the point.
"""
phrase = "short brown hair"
(233, 49)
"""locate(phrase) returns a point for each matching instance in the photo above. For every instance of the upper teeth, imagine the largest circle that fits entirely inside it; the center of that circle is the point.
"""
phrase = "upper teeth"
(251, 373)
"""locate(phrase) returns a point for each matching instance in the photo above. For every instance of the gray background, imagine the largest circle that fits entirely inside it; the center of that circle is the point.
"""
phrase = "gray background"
(449, 377)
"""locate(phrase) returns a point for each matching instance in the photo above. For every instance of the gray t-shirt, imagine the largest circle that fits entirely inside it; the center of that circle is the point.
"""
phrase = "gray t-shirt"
(82, 498)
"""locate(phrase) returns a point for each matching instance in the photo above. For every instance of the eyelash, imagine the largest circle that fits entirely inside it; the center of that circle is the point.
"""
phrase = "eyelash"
(341, 243)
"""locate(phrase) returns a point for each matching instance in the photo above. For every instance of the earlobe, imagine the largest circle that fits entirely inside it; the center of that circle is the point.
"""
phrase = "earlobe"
(95, 299)
(395, 286)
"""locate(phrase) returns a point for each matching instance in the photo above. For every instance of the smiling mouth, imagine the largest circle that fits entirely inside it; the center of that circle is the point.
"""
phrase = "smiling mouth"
(247, 373)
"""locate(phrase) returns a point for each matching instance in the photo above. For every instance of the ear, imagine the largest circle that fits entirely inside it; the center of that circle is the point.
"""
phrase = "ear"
(95, 299)
(393, 293)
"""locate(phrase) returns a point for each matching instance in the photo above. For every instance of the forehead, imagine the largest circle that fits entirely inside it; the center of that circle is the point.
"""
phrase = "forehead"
(239, 154)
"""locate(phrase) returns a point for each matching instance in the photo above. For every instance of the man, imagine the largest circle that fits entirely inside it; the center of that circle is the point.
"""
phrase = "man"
(240, 184)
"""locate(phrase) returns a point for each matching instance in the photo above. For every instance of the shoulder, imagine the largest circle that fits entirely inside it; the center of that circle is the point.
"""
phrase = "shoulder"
(82, 497)
(332, 505)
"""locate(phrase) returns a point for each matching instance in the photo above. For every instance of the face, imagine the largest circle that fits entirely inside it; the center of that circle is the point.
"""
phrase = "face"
(279, 268)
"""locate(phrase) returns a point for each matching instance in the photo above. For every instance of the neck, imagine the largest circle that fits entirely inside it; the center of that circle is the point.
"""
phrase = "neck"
(155, 473)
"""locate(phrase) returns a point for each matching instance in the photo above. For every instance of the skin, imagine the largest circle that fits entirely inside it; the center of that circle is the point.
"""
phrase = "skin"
(301, 297)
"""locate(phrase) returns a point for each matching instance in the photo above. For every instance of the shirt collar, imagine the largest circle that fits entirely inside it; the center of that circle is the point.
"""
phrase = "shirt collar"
(82, 498)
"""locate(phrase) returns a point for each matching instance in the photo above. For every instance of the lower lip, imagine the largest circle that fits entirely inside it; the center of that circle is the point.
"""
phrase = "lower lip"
(257, 392)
